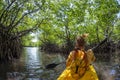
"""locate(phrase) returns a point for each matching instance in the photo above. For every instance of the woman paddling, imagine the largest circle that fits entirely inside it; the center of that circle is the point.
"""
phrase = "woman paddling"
(79, 63)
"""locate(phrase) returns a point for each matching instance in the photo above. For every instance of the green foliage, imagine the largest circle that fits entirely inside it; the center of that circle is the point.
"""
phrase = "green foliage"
(63, 20)
(69, 18)
(17, 18)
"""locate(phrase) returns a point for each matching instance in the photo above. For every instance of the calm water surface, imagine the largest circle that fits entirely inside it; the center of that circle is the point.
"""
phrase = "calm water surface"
(31, 66)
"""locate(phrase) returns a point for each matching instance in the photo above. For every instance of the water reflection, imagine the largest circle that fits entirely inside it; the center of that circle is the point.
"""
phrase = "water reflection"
(30, 66)
(33, 60)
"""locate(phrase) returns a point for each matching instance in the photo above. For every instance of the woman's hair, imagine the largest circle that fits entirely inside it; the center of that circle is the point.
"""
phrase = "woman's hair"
(80, 42)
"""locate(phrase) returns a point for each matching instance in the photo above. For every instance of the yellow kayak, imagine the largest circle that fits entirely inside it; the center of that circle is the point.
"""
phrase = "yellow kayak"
(83, 73)
(89, 75)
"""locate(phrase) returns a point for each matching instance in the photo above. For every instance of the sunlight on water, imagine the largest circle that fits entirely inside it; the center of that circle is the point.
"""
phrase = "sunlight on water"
(31, 66)
(33, 59)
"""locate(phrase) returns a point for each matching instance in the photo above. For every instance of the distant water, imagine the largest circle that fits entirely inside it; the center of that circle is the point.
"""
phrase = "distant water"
(31, 66)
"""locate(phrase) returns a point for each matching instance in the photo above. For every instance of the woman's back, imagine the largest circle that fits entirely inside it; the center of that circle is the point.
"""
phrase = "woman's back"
(78, 63)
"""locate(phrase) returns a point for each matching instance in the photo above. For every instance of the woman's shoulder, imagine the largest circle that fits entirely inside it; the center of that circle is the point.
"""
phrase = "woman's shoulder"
(75, 51)
(89, 51)
(90, 55)
(78, 52)
(72, 52)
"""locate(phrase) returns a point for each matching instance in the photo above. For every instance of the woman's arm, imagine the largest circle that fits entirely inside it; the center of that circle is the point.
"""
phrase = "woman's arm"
(69, 60)
(90, 56)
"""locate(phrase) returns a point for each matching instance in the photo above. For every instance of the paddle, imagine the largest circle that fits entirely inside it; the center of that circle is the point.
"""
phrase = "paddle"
(53, 65)
(98, 45)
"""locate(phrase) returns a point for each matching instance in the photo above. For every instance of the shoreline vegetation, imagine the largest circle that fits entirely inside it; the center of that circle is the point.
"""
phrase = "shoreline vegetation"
(105, 58)
(104, 52)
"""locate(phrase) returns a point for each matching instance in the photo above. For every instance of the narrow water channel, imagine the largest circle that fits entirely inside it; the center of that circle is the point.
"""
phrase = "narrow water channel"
(31, 66)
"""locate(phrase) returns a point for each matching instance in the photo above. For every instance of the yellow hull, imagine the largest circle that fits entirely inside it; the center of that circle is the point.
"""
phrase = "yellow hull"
(90, 74)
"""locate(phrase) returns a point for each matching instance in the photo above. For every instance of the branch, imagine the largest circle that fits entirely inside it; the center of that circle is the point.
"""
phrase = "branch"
(23, 33)
(14, 18)
(59, 35)
(22, 19)
(6, 9)
(8, 16)
(2, 28)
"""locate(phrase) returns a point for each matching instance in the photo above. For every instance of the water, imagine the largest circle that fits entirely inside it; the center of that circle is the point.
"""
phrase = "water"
(31, 66)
